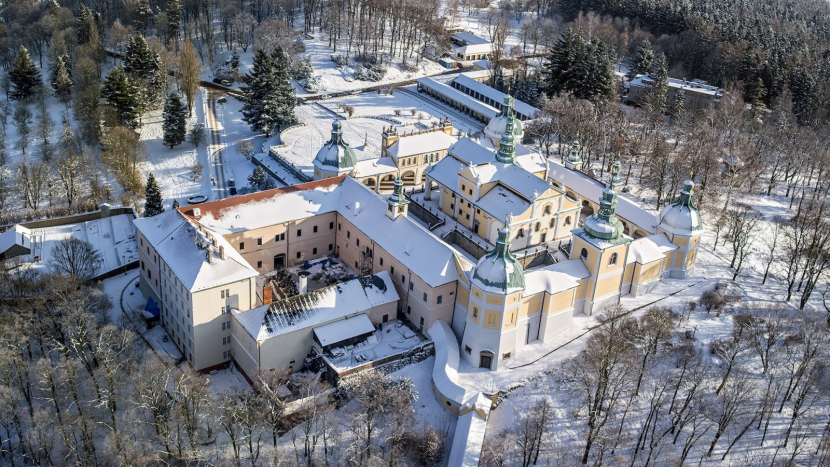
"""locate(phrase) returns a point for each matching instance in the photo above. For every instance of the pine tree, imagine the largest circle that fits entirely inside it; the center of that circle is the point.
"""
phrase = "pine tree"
(641, 62)
(144, 67)
(560, 63)
(145, 16)
(121, 95)
(83, 23)
(235, 60)
(175, 121)
(756, 93)
(153, 204)
(61, 79)
(24, 76)
(260, 180)
(175, 204)
(269, 98)
(174, 15)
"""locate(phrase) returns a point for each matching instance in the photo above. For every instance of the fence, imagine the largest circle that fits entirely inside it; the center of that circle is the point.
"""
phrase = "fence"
(429, 218)
(533, 259)
(288, 166)
(466, 243)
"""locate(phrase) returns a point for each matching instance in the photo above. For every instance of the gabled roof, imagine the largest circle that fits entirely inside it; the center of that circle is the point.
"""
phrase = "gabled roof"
(494, 94)
(408, 145)
(649, 249)
(185, 249)
(556, 277)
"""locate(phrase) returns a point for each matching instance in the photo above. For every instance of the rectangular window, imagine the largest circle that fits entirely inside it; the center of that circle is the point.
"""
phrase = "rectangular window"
(475, 313)
(411, 285)
(439, 299)
(241, 245)
(298, 255)
(408, 310)
(468, 349)
(224, 310)
(358, 242)
(331, 247)
(463, 187)
(425, 297)
(403, 278)
(259, 264)
(348, 234)
(222, 294)
(392, 270)
(314, 251)
(506, 356)
(331, 225)
(314, 229)
(223, 326)
(339, 226)
(228, 293)
(299, 232)
(422, 320)
(259, 242)
(381, 261)
(142, 241)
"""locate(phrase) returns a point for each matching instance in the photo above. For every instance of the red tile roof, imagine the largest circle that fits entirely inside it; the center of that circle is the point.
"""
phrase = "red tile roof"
(216, 208)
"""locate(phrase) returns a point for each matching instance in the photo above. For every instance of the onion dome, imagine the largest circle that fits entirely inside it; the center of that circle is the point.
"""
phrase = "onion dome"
(499, 271)
(682, 217)
(336, 153)
(604, 224)
(498, 124)
(574, 157)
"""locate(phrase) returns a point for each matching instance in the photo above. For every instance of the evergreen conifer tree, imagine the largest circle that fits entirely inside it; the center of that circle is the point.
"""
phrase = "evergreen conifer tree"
(153, 204)
(235, 60)
(174, 19)
(175, 204)
(641, 62)
(560, 63)
(121, 95)
(175, 121)
(24, 76)
(269, 98)
(145, 16)
(83, 23)
(144, 67)
(61, 78)
(259, 180)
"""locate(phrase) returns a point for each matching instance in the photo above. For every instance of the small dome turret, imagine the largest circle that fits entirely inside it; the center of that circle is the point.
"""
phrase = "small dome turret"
(604, 224)
(336, 155)
(498, 124)
(499, 271)
(682, 217)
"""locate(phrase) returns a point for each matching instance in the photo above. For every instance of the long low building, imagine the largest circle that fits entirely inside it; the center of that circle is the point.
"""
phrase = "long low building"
(457, 99)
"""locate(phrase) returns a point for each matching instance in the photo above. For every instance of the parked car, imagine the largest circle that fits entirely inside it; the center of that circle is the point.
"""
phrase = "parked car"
(233, 191)
(231, 182)
(222, 100)
(225, 82)
(217, 81)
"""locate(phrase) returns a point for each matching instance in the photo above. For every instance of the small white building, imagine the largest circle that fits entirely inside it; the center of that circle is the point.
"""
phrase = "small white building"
(467, 46)
(281, 334)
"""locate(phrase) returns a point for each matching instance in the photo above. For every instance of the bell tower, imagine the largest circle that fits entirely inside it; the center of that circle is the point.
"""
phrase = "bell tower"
(396, 203)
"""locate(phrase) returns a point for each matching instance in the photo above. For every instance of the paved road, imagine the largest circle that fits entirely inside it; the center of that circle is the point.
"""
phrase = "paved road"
(214, 136)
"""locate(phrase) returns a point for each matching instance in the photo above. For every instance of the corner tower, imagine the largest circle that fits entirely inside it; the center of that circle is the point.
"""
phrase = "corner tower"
(498, 280)
(681, 222)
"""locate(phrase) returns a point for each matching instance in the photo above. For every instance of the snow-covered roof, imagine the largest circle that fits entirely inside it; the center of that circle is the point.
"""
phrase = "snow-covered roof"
(497, 96)
(368, 168)
(409, 145)
(470, 43)
(649, 249)
(556, 277)
(682, 216)
(470, 38)
(113, 238)
(423, 253)
(467, 440)
(694, 86)
(445, 371)
(458, 96)
(482, 151)
(588, 188)
(15, 242)
(319, 307)
(185, 250)
(499, 202)
(347, 328)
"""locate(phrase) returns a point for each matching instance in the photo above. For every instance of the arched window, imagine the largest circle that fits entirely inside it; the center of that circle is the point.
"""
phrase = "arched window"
(547, 210)
(584, 253)
(538, 226)
(568, 220)
(520, 233)
(613, 259)
(552, 222)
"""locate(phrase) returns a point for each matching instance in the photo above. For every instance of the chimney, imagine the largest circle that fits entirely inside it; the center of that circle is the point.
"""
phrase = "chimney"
(267, 294)
(221, 252)
(197, 213)
(356, 207)
(105, 209)
(303, 281)
(209, 255)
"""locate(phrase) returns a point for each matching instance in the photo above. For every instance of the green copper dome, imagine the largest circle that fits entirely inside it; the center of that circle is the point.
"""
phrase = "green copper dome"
(604, 224)
(499, 271)
(498, 124)
(682, 217)
(336, 152)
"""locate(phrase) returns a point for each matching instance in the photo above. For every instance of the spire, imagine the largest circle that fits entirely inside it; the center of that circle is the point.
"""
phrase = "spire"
(574, 157)
(397, 196)
(336, 132)
(685, 198)
(614, 182)
(499, 270)
(507, 145)
(604, 224)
